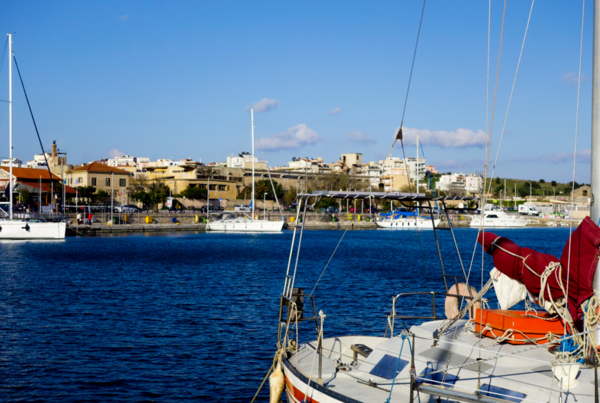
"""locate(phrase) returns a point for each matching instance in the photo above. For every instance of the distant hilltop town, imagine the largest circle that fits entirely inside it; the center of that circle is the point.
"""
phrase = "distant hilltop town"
(138, 179)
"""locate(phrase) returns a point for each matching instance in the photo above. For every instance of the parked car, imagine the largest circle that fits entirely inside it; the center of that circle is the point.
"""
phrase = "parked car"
(21, 207)
(525, 209)
(211, 209)
(242, 208)
(127, 208)
(372, 210)
(332, 210)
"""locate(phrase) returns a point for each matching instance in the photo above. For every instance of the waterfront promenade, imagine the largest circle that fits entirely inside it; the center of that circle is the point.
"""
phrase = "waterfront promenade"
(188, 221)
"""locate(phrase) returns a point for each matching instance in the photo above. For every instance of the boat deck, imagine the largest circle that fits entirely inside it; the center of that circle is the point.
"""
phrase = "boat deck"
(526, 376)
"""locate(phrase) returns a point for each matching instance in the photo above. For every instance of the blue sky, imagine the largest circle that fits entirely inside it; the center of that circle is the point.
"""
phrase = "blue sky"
(174, 79)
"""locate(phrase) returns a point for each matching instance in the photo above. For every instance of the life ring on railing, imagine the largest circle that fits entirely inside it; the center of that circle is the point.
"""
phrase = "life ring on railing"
(451, 304)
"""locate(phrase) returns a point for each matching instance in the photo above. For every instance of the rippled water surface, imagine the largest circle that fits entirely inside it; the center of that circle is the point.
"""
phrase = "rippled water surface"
(194, 316)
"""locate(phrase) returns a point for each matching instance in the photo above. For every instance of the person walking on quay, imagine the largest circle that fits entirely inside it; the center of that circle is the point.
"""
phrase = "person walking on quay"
(90, 218)
(79, 218)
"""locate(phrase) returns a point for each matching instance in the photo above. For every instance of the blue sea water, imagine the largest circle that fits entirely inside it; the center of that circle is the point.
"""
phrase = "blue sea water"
(193, 317)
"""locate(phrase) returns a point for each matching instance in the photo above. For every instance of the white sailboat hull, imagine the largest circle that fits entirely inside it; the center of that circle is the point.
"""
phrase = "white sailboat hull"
(498, 223)
(245, 226)
(32, 230)
(408, 223)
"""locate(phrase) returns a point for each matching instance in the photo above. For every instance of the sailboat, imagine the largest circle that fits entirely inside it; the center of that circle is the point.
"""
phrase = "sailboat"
(399, 219)
(231, 223)
(545, 353)
(11, 227)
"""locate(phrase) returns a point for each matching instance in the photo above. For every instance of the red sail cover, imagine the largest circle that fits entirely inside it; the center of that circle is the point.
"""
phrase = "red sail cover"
(577, 276)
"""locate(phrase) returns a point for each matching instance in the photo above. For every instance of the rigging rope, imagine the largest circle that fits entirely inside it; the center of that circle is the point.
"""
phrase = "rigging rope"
(511, 94)
(575, 153)
(399, 133)
(270, 179)
(329, 261)
(34, 124)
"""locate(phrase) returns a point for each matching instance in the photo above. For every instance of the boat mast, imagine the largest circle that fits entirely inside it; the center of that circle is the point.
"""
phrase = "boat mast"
(10, 146)
(595, 162)
(252, 201)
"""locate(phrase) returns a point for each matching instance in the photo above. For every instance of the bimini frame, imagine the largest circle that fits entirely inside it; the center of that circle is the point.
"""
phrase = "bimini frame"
(290, 295)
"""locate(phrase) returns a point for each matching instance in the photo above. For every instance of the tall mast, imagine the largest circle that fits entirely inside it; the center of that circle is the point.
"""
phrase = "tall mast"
(10, 146)
(252, 201)
(595, 162)
(417, 167)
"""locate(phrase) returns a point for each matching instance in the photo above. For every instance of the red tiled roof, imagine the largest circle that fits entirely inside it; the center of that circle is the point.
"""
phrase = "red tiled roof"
(31, 173)
(46, 187)
(98, 167)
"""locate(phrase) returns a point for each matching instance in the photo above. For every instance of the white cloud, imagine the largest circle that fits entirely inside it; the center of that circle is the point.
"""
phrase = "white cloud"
(294, 137)
(113, 153)
(582, 156)
(360, 138)
(335, 111)
(123, 18)
(571, 78)
(440, 138)
(264, 105)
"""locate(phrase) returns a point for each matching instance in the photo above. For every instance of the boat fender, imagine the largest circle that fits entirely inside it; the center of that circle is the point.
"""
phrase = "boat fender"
(451, 305)
(276, 383)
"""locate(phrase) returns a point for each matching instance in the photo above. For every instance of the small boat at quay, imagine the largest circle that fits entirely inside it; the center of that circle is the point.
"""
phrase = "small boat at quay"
(406, 221)
(231, 223)
(497, 219)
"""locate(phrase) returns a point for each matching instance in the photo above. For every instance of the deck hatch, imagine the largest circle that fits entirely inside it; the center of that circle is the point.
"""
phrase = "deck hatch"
(386, 367)
(442, 356)
(501, 393)
(437, 378)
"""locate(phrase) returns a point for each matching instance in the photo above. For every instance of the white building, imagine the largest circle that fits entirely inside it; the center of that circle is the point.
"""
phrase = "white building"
(128, 160)
(16, 162)
(416, 168)
(37, 164)
(244, 160)
(470, 182)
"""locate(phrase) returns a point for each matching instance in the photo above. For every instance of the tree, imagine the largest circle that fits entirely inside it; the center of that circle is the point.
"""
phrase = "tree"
(553, 183)
(194, 193)
(261, 187)
(336, 181)
(100, 196)
(25, 196)
(158, 193)
(290, 195)
(86, 193)
(542, 181)
(142, 197)
(497, 181)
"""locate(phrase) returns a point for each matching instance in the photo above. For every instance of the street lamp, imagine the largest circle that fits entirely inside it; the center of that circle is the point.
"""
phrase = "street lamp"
(265, 206)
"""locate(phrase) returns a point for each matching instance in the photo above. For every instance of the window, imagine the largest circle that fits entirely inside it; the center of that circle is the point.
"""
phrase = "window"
(585, 193)
(93, 181)
(122, 182)
(222, 187)
(107, 181)
(213, 187)
(202, 186)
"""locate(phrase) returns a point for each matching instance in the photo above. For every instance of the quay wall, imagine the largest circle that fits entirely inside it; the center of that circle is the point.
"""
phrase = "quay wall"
(166, 222)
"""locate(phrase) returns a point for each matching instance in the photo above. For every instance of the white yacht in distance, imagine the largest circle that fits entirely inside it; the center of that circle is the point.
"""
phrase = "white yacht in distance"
(231, 223)
(11, 228)
(401, 221)
(497, 219)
